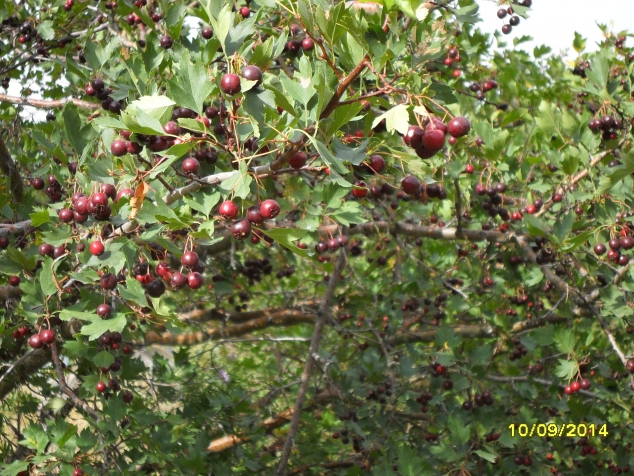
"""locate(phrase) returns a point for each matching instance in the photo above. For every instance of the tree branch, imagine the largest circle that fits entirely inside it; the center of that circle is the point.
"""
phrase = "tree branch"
(49, 103)
(8, 167)
(322, 316)
(78, 402)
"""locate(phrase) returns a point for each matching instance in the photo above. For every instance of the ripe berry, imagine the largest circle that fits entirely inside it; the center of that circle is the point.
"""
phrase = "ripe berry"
(298, 160)
(100, 387)
(254, 215)
(377, 163)
(36, 341)
(96, 248)
(104, 311)
(557, 197)
(207, 33)
(166, 42)
(241, 229)
(411, 185)
(308, 44)
(230, 84)
(360, 190)
(108, 281)
(195, 280)
(459, 126)
(189, 259)
(156, 288)
(128, 397)
(65, 215)
(228, 210)
(433, 139)
(506, 29)
(190, 166)
(119, 148)
(269, 209)
(178, 280)
(252, 73)
(585, 384)
(78, 472)
(171, 128)
(245, 12)
(47, 336)
(14, 281)
(469, 168)
(45, 250)
(575, 386)
(413, 137)
(514, 20)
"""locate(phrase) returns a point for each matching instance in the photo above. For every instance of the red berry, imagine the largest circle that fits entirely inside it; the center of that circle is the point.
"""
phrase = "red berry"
(228, 210)
(360, 190)
(100, 387)
(96, 248)
(47, 336)
(35, 341)
(459, 126)
(14, 281)
(269, 208)
(190, 259)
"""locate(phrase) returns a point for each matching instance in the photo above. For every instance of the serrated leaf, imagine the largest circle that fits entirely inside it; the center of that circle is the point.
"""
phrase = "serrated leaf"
(191, 85)
(239, 184)
(396, 119)
(103, 359)
(100, 326)
(536, 226)
(158, 107)
(566, 369)
(77, 132)
(286, 237)
(133, 291)
(599, 70)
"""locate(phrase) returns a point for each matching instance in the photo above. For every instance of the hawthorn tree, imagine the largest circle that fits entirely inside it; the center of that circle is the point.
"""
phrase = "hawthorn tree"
(311, 238)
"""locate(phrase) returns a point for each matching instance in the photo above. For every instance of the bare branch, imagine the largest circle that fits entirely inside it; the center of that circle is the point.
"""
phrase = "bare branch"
(48, 103)
(322, 315)
(11, 171)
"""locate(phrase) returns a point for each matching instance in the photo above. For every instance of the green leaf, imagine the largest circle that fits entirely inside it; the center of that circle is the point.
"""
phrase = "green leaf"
(491, 458)
(77, 133)
(139, 122)
(133, 291)
(579, 43)
(536, 226)
(286, 237)
(459, 430)
(443, 93)
(103, 359)
(618, 174)
(204, 200)
(171, 155)
(599, 69)
(45, 276)
(562, 227)
(327, 156)
(39, 218)
(300, 91)
(14, 468)
(240, 182)
(565, 341)
(396, 119)
(566, 369)
(191, 85)
(100, 326)
(158, 107)
(468, 14)
(354, 155)
(45, 29)
(221, 22)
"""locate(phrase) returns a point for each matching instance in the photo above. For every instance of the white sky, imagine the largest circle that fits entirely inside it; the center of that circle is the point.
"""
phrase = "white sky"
(551, 22)
(554, 22)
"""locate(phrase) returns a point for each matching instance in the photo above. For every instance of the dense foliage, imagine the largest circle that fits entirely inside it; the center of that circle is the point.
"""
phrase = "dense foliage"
(311, 238)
